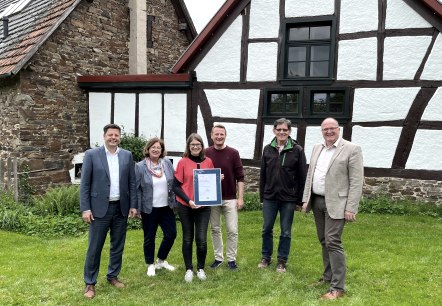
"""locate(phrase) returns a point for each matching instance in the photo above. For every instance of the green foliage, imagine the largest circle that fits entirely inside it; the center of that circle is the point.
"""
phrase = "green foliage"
(134, 144)
(251, 201)
(60, 201)
(383, 204)
(25, 189)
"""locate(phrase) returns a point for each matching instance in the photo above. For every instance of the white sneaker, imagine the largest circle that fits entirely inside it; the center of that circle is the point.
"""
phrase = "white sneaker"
(201, 274)
(151, 270)
(189, 276)
(163, 264)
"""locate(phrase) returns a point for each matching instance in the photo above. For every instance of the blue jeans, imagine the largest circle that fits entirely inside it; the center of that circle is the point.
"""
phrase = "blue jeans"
(270, 210)
(194, 223)
(165, 218)
(116, 223)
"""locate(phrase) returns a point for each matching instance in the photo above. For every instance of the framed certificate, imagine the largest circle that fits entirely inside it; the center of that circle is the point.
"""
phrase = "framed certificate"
(207, 187)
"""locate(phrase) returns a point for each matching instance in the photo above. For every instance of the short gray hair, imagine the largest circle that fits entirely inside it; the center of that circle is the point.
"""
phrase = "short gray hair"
(283, 121)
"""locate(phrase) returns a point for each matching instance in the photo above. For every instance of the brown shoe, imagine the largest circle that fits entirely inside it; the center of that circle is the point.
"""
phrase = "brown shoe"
(281, 266)
(264, 263)
(116, 283)
(332, 295)
(89, 291)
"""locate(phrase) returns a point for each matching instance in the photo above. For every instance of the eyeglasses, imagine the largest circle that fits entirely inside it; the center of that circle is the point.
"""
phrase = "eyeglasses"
(195, 145)
(282, 130)
(330, 129)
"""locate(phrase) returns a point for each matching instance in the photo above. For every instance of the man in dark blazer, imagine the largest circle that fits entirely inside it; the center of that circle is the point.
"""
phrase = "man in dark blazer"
(333, 189)
(107, 197)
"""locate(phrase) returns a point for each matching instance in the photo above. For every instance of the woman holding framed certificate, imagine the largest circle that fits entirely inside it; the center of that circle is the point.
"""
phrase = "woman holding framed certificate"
(194, 219)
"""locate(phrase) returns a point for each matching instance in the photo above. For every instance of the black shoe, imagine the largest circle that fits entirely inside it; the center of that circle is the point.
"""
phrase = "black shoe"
(216, 264)
(232, 265)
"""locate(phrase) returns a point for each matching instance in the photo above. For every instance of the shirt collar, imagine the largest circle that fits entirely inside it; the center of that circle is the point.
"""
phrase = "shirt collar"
(333, 145)
(109, 152)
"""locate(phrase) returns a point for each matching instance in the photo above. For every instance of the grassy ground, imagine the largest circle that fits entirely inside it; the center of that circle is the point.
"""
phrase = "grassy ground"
(392, 260)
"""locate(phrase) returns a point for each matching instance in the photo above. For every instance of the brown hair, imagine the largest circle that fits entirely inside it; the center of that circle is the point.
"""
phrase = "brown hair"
(189, 140)
(111, 126)
(219, 126)
(150, 143)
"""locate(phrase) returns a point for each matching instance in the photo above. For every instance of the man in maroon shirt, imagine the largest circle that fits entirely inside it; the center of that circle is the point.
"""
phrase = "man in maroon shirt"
(228, 160)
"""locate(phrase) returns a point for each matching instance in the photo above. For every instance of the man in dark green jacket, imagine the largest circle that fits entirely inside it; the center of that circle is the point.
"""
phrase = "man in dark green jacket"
(282, 179)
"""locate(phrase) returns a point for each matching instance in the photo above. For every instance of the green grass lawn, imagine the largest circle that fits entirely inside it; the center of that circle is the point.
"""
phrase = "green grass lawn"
(392, 260)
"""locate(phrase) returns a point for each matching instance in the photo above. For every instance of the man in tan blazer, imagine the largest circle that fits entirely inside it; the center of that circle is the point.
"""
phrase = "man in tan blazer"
(332, 190)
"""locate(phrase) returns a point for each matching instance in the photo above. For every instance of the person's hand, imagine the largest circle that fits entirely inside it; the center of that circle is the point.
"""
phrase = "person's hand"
(192, 205)
(87, 216)
(240, 203)
(133, 213)
(304, 207)
(349, 216)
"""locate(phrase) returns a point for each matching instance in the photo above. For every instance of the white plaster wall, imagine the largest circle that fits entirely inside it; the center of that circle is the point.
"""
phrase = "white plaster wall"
(400, 16)
(124, 112)
(403, 56)
(313, 136)
(433, 66)
(234, 103)
(175, 115)
(295, 8)
(358, 16)
(241, 136)
(426, 151)
(268, 134)
(378, 144)
(433, 111)
(262, 62)
(99, 116)
(222, 62)
(150, 113)
(357, 59)
(201, 127)
(264, 19)
(382, 104)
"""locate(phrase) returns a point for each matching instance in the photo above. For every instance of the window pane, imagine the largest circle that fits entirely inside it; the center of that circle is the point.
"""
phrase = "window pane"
(296, 69)
(319, 103)
(320, 53)
(298, 34)
(320, 32)
(336, 97)
(276, 107)
(277, 98)
(337, 108)
(319, 69)
(297, 54)
(292, 103)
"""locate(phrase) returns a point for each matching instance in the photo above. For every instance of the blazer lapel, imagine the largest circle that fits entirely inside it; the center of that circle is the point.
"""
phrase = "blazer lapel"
(337, 152)
(316, 152)
(103, 159)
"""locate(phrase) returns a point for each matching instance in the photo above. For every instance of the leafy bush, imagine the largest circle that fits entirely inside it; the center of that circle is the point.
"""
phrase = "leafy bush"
(383, 204)
(251, 201)
(25, 189)
(133, 144)
(62, 201)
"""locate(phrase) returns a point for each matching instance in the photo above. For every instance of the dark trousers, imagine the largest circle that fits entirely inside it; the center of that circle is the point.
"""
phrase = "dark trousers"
(194, 223)
(270, 210)
(329, 235)
(165, 218)
(117, 224)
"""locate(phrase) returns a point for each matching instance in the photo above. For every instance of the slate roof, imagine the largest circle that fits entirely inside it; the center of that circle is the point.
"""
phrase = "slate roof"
(29, 29)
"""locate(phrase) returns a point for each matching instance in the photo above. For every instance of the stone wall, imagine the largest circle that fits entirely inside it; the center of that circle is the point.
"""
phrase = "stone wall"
(397, 188)
(167, 40)
(44, 112)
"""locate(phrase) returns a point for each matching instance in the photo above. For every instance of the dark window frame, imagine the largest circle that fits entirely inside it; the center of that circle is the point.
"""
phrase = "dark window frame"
(269, 117)
(283, 47)
(305, 104)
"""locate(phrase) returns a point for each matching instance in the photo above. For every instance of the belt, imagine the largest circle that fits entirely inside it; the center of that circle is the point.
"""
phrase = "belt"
(114, 202)
(318, 195)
